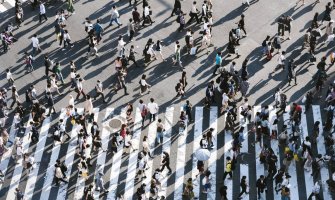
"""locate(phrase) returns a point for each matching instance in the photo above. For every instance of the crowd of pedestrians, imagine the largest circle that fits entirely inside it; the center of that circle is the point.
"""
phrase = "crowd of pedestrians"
(228, 88)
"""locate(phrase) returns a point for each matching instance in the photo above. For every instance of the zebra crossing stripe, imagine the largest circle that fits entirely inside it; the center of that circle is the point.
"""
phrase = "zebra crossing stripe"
(179, 181)
(101, 158)
(11, 2)
(292, 169)
(2, 8)
(167, 144)
(308, 177)
(244, 169)
(274, 142)
(213, 123)
(14, 183)
(49, 175)
(80, 183)
(151, 142)
(324, 173)
(259, 166)
(131, 171)
(32, 178)
(196, 145)
(115, 171)
(227, 149)
(6, 158)
(69, 158)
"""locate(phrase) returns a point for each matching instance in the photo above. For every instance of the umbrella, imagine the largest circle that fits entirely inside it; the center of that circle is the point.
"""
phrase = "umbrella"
(202, 154)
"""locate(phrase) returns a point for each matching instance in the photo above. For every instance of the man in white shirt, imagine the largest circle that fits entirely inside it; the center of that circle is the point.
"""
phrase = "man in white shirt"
(99, 91)
(35, 43)
(42, 12)
(194, 13)
(115, 17)
(33, 93)
(153, 109)
(281, 61)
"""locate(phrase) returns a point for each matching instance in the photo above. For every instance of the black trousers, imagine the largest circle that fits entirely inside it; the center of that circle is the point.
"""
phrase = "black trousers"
(167, 166)
(225, 175)
(215, 69)
(100, 94)
(193, 15)
(244, 190)
(133, 59)
(43, 15)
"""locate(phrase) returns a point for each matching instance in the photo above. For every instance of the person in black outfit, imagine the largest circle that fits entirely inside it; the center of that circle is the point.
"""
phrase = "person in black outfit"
(223, 192)
(291, 73)
(51, 103)
(48, 65)
(243, 185)
(241, 24)
(261, 186)
(34, 133)
(176, 7)
(140, 191)
(326, 16)
(166, 162)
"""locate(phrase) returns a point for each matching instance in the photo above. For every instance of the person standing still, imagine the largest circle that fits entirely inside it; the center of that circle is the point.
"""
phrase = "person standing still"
(42, 12)
(153, 109)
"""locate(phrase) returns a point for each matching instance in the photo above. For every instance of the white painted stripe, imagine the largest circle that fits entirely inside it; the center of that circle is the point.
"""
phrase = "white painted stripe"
(115, 171)
(244, 168)
(167, 143)
(71, 150)
(2, 8)
(151, 141)
(321, 150)
(6, 157)
(274, 142)
(258, 149)
(213, 123)
(11, 2)
(49, 175)
(105, 137)
(29, 191)
(80, 183)
(308, 177)
(228, 152)
(19, 167)
(197, 137)
(292, 168)
(179, 181)
(131, 172)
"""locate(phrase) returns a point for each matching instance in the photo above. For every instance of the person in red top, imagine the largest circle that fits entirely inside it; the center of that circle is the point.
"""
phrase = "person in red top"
(296, 113)
(123, 131)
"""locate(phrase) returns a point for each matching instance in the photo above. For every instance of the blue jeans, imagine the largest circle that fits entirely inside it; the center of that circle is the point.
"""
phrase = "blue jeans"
(34, 51)
(159, 135)
(60, 77)
(116, 20)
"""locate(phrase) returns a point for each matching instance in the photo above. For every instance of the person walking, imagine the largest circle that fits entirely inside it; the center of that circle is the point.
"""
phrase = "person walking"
(176, 7)
(121, 75)
(144, 85)
(218, 62)
(166, 163)
(70, 7)
(48, 63)
(79, 88)
(315, 191)
(15, 97)
(19, 194)
(50, 104)
(261, 186)
(144, 110)
(58, 72)
(28, 60)
(291, 72)
(36, 45)
(188, 110)
(146, 16)
(153, 110)
(159, 49)
(177, 57)
(228, 169)
(194, 13)
(159, 131)
(131, 56)
(244, 185)
(131, 30)
(42, 12)
(99, 91)
(115, 17)
(59, 175)
(181, 20)
(241, 25)
(100, 184)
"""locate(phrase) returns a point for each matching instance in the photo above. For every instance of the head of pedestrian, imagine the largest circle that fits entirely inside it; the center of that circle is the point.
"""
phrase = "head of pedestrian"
(114, 7)
(194, 2)
(219, 53)
(262, 177)
(152, 100)
(242, 16)
(98, 81)
(141, 101)
(189, 180)
(283, 52)
(144, 76)
(228, 158)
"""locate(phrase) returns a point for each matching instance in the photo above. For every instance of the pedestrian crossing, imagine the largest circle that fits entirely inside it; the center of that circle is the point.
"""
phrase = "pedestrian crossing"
(119, 170)
(8, 4)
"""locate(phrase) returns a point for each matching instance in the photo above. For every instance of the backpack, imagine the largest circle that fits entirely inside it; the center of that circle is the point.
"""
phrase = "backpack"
(178, 19)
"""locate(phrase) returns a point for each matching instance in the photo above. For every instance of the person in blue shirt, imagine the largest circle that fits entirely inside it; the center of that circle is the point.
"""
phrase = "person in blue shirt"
(218, 61)
(98, 30)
